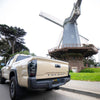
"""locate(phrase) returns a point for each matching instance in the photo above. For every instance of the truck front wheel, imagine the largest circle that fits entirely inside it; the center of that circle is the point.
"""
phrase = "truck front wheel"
(14, 89)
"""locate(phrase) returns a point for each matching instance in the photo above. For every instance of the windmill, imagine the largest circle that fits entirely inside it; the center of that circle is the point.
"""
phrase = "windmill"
(70, 48)
(70, 31)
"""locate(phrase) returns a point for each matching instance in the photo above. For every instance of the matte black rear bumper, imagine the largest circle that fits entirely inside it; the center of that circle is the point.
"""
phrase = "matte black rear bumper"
(47, 83)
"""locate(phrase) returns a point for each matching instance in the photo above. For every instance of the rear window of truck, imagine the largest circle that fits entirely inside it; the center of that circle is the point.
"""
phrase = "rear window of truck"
(22, 58)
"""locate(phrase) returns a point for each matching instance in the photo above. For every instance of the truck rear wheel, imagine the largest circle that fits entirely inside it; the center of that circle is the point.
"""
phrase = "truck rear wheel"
(14, 89)
(49, 89)
(2, 80)
(57, 87)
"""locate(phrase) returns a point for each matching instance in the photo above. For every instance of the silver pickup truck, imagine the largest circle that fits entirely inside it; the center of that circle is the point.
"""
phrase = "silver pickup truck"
(34, 73)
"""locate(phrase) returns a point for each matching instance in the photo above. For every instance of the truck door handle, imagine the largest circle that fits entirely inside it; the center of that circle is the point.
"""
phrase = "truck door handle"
(57, 66)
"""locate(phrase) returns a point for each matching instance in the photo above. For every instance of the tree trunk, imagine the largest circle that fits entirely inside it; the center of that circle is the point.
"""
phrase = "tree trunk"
(13, 48)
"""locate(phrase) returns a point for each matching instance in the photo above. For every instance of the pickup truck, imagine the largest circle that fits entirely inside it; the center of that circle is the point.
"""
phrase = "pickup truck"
(34, 73)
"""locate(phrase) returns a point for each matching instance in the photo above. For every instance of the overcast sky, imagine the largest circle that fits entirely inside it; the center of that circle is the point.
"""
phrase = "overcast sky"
(42, 34)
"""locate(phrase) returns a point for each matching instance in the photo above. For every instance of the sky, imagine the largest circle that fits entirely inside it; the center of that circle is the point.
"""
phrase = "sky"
(43, 35)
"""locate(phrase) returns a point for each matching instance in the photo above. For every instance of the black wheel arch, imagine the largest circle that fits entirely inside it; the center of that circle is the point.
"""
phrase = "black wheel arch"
(13, 73)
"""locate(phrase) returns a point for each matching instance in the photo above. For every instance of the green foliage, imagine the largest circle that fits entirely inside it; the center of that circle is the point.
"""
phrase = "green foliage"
(21, 52)
(11, 40)
(70, 71)
(13, 37)
(32, 54)
(85, 76)
(4, 47)
(90, 61)
(24, 52)
(90, 70)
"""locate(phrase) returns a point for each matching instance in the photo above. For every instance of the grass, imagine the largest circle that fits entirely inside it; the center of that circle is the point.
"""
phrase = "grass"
(88, 74)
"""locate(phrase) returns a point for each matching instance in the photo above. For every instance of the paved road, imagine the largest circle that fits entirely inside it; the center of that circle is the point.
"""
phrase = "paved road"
(62, 94)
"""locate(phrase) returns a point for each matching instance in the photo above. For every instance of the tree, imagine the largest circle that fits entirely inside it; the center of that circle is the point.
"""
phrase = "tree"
(32, 54)
(89, 61)
(11, 40)
(13, 35)
(4, 47)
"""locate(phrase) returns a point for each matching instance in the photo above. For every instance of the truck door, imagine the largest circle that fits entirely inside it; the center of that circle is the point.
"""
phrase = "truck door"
(7, 68)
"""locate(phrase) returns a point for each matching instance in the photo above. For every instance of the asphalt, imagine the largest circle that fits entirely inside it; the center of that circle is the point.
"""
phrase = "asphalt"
(73, 90)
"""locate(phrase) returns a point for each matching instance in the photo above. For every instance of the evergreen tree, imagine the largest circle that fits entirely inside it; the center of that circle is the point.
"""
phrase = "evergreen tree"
(11, 40)
(13, 35)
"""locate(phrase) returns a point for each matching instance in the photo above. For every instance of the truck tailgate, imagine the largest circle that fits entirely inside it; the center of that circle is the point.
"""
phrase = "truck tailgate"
(48, 68)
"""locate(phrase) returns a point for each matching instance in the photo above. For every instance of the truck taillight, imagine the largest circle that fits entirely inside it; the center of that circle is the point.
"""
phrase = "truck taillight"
(32, 66)
(68, 69)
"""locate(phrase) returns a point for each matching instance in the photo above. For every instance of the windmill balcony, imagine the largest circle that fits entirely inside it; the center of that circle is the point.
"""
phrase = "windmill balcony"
(66, 45)
(76, 48)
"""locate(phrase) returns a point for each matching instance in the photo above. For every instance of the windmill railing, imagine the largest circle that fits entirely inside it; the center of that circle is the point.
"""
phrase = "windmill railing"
(74, 46)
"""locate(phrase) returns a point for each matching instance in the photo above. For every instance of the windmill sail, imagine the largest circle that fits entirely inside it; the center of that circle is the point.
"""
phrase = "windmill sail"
(83, 39)
(51, 18)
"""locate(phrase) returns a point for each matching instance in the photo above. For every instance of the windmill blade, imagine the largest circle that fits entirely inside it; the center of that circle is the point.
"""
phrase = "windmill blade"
(78, 3)
(75, 12)
(83, 37)
(83, 40)
(60, 42)
(51, 18)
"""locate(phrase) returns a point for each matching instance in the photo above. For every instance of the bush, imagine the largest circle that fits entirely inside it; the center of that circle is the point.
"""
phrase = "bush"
(70, 71)
(21, 52)
(85, 76)
(90, 70)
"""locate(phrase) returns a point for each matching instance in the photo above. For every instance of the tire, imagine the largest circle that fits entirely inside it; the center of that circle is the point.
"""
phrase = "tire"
(49, 89)
(14, 89)
(2, 80)
(56, 88)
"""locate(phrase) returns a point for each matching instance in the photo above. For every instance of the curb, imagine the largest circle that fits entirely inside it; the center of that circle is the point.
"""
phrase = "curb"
(88, 93)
